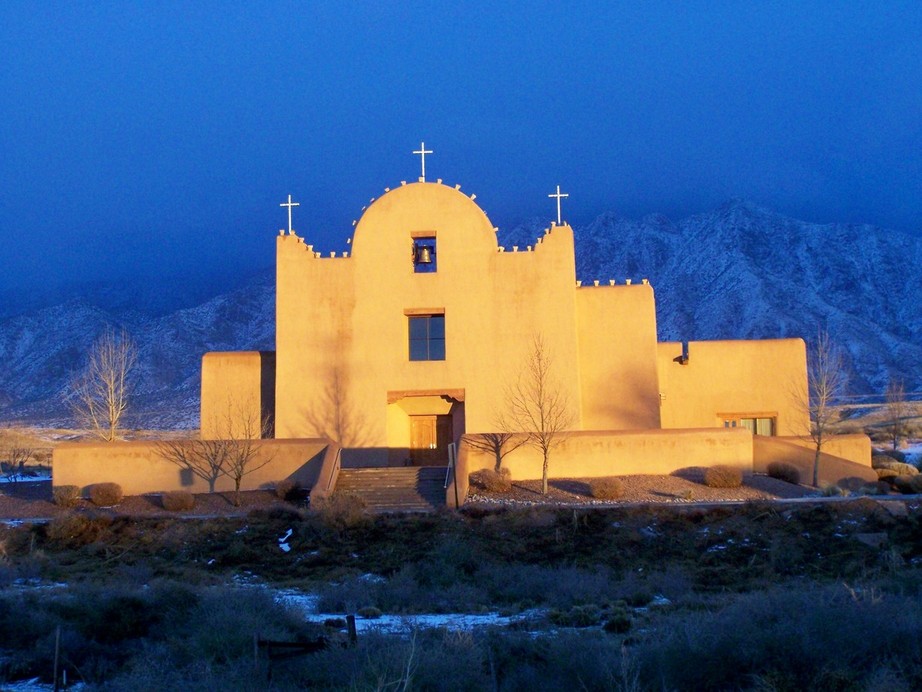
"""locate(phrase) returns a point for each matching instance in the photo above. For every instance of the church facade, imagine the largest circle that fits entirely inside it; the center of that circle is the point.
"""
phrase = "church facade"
(399, 347)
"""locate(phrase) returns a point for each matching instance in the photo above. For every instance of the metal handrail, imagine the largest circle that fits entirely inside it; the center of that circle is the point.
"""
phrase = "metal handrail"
(451, 464)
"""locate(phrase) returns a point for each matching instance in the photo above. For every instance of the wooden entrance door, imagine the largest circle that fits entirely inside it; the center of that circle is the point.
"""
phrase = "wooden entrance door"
(429, 440)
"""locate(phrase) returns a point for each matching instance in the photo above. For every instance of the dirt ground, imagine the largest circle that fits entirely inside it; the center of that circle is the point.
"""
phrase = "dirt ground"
(674, 489)
(32, 500)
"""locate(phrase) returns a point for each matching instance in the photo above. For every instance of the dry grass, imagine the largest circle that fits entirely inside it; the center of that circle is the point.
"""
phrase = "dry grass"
(723, 477)
(491, 481)
(784, 472)
(606, 488)
(178, 501)
(106, 494)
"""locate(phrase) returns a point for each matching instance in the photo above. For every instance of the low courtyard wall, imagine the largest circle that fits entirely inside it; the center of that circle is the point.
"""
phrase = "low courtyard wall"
(845, 460)
(140, 467)
(587, 454)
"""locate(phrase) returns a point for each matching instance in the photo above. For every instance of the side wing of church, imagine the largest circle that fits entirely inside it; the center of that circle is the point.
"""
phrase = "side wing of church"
(398, 348)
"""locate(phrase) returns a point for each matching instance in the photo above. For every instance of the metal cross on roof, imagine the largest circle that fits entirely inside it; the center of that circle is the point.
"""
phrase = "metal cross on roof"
(559, 196)
(290, 204)
(422, 155)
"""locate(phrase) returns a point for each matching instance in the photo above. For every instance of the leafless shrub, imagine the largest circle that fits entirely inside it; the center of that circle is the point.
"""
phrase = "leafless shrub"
(491, 481)
(65, 495)
(286, 489)
(177, 500)
(899, 468)
(722, 476)
(606, 488)
(342, 511)
(886, 474)
(105, 494)
(784, 471)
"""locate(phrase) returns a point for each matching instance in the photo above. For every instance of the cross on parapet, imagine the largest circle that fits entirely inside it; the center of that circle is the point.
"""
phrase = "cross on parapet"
(559, 196)
(290, 204)
(422, 155)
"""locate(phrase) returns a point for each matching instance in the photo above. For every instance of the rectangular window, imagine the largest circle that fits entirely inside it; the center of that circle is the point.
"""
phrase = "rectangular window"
(427, 337)
(757, 425)
(424, 259)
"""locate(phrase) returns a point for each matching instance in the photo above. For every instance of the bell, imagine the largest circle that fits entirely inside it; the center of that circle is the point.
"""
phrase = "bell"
(423, 255)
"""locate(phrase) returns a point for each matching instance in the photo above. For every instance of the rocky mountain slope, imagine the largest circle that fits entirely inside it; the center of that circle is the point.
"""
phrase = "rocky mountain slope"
(739, 271)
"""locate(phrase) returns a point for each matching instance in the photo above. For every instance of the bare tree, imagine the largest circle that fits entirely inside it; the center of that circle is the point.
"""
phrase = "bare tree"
(235, 455)
(243, 448)
(205, 459)
(15, 452)
(99, 395)
(538, 406)
(897, 412)
(827, 380)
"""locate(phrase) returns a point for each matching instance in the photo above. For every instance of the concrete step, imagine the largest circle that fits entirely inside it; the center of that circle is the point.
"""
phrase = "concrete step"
(400, 489)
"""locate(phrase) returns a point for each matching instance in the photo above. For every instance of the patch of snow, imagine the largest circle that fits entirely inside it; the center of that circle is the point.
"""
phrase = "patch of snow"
(30, 477)
(913, 453)
(306, 603)
(34, 685)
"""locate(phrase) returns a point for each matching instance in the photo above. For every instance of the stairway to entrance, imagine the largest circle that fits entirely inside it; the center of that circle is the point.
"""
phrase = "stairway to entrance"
(403, 489)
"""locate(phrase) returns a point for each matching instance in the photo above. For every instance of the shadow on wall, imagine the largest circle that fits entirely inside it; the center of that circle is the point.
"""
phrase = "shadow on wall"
(634, 408)
(334, 417)
(140, 467)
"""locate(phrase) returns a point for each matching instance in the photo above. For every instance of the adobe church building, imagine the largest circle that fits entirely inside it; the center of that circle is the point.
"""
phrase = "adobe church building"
(395, 351)
(399, 348)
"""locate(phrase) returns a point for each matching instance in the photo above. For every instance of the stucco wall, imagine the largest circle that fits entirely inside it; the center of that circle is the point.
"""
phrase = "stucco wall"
(238, 390)
(342, 325)
(759, 378)
(848, 471)
(855, 448)
(596, 454)
(139, 467)
(617, 357)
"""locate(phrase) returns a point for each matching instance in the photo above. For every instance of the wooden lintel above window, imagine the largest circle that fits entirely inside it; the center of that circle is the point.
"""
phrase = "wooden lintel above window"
(455, 394)
(424, 311)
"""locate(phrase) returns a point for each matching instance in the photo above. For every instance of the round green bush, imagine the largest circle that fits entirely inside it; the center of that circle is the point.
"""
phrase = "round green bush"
(606, 488)
(106, 494)
(784, 472)
(722, 476)
(177, 501)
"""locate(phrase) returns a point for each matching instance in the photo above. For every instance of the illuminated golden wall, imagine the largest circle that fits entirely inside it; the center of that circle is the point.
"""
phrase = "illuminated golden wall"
(342, 367)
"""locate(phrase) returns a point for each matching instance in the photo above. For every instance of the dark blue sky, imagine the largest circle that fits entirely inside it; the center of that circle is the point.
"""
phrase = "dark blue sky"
(157, 139)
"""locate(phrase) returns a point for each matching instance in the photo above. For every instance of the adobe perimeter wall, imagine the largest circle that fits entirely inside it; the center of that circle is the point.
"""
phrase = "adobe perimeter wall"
(139, 467)
(596, 454)
(846, 459)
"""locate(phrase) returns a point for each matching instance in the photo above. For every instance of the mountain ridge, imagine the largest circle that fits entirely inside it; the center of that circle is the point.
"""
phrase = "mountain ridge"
(740, 271)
